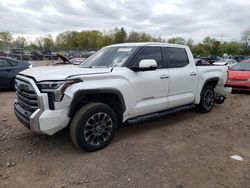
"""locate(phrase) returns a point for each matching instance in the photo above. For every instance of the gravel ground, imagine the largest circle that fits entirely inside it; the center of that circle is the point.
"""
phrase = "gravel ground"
(187, 149)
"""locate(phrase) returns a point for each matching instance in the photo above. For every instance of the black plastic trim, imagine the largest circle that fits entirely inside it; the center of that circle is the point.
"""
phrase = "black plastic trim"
(22, 119)
(96, 91)
(159, 114)
(215, 79)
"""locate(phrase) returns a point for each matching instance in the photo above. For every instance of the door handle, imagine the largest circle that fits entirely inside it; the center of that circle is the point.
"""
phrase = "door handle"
(164, 76)
(193, 74)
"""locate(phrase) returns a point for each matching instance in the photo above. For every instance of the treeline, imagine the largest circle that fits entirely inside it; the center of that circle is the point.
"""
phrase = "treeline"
(94, 40)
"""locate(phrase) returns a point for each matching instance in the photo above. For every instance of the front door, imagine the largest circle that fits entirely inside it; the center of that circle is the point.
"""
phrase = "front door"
(150, 87)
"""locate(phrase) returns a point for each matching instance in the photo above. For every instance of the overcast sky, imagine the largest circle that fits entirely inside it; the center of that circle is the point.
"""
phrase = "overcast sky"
(186, 18)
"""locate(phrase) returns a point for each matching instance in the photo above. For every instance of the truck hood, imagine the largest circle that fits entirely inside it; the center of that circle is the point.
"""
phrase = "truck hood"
(61, 72)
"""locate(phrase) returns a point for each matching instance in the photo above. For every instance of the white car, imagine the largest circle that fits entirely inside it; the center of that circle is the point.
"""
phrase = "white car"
(227, 62)
(119, 83)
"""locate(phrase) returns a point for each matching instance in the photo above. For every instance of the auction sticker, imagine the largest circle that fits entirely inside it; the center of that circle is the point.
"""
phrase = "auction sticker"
(124, 49)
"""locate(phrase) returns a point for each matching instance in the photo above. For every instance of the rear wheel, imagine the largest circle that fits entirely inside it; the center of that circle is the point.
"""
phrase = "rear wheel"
(93, 126)
(207, 99)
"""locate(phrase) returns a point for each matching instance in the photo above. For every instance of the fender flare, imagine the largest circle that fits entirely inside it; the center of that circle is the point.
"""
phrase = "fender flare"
(96, 91)
(215, 79)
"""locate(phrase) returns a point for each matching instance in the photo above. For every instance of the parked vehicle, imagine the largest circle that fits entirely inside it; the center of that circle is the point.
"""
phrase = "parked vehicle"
(47, 54)
(9, 68)
(19, 54)
(239, 76)
(87, 54)
(78, 54)
(3, 53)
(211, 58)
(73, 54)
(77, 61)
(65, 61)
(201, 62)
(120, 83)
(36, 55)
(227, 62)
(240, 58)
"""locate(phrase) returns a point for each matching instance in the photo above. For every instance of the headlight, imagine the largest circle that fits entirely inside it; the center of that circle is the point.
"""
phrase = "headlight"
(57, 88)
(50, 85)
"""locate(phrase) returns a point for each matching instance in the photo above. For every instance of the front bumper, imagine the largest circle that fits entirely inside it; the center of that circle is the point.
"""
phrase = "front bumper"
(34, 112)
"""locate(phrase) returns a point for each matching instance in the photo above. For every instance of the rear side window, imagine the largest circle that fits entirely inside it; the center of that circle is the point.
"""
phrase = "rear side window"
(151, 52)
(177, 57)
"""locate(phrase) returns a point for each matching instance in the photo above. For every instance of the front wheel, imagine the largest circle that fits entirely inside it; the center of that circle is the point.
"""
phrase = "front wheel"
(93, 126)
(207, 99)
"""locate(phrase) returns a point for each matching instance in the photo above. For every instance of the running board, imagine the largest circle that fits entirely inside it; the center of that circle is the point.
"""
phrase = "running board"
(159, 114)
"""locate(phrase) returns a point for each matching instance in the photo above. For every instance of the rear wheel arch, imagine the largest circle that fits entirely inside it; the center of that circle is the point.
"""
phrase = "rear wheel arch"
(211, 81)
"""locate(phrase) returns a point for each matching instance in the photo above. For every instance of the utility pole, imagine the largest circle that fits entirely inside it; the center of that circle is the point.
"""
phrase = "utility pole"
(221, 38)
(248, 41)
(20, 51)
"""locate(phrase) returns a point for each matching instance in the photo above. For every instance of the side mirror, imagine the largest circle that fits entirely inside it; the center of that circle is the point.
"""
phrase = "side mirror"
(146, 64)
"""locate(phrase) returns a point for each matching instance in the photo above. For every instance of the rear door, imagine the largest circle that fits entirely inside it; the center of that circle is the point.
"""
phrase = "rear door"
(183, 77)
(5, 73)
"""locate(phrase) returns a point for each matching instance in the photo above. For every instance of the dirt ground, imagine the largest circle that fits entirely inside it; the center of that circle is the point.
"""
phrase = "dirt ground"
(183, 150)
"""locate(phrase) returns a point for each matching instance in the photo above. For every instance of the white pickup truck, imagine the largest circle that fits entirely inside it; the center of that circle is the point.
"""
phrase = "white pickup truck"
(120, 83)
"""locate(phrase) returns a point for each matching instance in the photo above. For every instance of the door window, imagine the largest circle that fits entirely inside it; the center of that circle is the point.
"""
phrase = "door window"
(177, 57)
(151, 52)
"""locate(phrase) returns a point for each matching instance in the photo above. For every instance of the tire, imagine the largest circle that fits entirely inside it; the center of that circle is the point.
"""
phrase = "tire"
(93, 126)
(207, 100)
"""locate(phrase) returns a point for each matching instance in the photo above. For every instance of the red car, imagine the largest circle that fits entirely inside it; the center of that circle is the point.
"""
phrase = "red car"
(239, 76)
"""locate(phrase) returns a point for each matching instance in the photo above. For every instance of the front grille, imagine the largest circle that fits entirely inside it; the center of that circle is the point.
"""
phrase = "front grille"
(26, 101)
(51, 101)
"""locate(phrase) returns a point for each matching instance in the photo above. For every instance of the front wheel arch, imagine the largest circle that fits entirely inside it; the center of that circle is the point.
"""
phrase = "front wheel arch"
(110, 97)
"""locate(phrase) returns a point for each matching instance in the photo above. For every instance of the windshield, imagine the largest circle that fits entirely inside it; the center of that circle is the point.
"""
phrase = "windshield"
(241, 66)
(109, 57)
